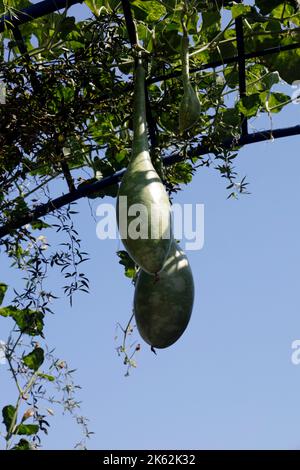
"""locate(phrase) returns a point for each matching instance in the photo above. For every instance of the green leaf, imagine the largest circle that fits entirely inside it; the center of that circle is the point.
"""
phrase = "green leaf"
(8, 413)
(46, 377)
(121, 155)
(29, 321)
(249, 105)
(181, 173)
(34, 359)
(66, 26)
(283, 11)
(263, 36)
(39, 225)
(20, 208)
(238, 10)
(229, 120)
(128, 263)
(22, 445)
(286, 63)
(169, 41)
(111, 190)
(97, 5)
(8, 311)
(27, 429)
(3, 289)
(271, 79)
(144, 35)
(259, 79)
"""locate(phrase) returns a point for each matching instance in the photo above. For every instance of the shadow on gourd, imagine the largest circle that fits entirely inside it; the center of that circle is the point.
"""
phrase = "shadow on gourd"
(163, 304)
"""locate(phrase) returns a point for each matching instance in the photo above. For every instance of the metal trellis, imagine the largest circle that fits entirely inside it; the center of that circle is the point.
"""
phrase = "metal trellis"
(35, 11)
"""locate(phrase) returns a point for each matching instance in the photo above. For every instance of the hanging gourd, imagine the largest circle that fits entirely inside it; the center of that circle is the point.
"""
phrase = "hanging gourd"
(163, 304)
(143, 207)
(190, 107)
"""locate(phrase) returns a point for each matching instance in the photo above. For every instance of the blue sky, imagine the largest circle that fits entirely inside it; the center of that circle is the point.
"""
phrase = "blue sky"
(229, 382)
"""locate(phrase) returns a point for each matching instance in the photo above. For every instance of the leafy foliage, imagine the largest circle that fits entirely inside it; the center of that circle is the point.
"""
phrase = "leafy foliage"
(66, 122)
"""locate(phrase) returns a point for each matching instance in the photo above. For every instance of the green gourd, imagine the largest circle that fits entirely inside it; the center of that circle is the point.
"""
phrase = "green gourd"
(190, 107)
(142, 185)
(163, 304)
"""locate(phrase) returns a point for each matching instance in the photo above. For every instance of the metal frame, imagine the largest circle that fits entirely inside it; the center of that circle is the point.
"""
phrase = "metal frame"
(35, 11)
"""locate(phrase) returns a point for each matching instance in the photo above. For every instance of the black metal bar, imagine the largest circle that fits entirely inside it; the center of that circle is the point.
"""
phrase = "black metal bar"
(132, 33)
(131, 29)
(228, 61)
(54, 204)
(35, 11)
(242, 66)
(269, 135)
(20, 42)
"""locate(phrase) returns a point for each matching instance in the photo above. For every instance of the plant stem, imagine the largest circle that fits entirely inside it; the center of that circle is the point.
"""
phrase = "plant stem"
(19, 400)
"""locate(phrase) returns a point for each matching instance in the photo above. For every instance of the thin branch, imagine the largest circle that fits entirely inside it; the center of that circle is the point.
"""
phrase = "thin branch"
(35, 11)
(152, 126)
(8, 356)
(133, 36)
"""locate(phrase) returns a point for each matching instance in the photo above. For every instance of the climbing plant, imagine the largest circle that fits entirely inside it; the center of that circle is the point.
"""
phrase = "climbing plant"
(65, 118)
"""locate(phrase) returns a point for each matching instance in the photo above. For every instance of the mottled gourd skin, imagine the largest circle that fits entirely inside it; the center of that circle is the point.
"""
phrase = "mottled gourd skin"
(163, 306)
(142, 185)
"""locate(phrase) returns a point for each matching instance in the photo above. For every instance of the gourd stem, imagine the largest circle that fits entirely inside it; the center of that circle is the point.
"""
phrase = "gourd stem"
(185, 57)
(140, 138)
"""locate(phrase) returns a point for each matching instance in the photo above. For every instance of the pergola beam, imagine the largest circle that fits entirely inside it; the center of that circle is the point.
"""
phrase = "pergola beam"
(35, 11)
